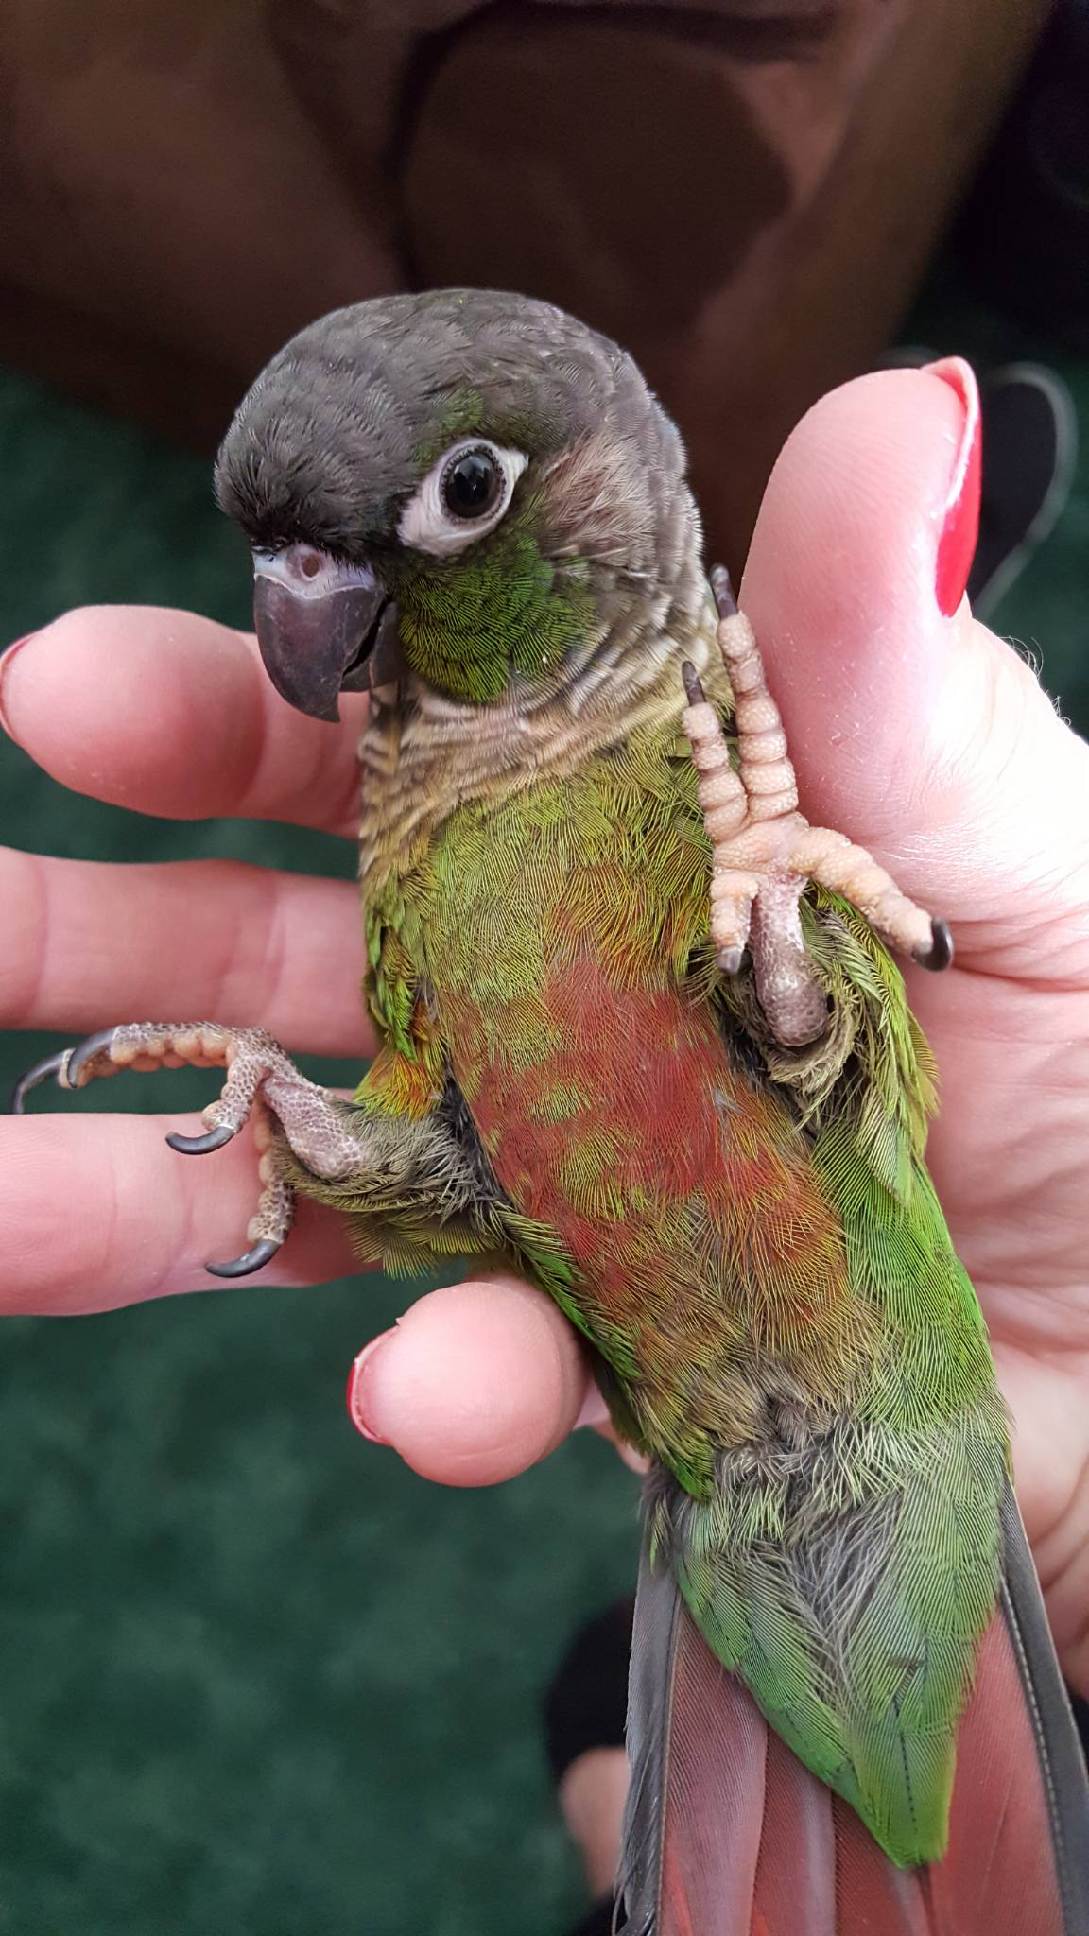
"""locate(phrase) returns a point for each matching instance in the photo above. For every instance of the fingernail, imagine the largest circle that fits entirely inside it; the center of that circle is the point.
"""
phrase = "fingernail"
(960, 512)
(593, 1411)
(357, 1389)
(6, 659)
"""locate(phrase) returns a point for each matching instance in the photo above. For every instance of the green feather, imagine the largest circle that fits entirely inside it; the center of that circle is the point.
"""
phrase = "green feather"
(466, 622)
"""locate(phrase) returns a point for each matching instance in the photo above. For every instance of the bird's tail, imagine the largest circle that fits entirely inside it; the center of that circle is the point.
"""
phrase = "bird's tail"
(728, 1834)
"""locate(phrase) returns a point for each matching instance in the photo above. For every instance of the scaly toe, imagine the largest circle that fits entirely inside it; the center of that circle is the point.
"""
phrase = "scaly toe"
(213, 1139)
(250, 1260)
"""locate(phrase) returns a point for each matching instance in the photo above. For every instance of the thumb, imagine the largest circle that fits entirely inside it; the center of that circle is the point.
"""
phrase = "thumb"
(914, 729)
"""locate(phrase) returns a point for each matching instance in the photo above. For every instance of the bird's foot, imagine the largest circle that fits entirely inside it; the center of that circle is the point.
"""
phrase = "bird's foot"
(765, 851)
(262, 1085)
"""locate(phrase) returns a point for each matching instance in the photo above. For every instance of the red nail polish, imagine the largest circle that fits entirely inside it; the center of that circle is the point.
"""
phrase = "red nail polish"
(356, 1408)
(6, 658)
(960, 515)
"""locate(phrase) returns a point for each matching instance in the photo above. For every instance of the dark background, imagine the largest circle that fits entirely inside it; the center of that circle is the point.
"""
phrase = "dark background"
(257, 1677)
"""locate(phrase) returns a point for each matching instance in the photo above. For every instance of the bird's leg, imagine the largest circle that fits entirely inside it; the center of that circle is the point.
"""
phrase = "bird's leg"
(765, 851)
(321, 1131)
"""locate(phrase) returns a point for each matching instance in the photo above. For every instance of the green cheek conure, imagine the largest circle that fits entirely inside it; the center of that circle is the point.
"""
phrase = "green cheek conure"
(641, 1032)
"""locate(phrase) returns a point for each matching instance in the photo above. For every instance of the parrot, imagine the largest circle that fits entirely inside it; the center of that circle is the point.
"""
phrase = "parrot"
(642, 1032)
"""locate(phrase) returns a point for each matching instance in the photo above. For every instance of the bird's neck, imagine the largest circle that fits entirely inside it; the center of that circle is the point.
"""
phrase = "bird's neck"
(424, 754)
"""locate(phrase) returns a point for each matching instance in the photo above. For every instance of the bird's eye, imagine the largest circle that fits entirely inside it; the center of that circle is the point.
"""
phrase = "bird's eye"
(462, 498)
(471, 483)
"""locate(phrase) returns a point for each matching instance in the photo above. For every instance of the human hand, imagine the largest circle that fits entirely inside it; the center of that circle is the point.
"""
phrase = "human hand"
(920, 735)
(95, 1210)
(930, 741)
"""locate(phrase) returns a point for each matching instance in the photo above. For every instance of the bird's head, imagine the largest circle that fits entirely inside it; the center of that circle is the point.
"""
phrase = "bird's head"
(459, 483)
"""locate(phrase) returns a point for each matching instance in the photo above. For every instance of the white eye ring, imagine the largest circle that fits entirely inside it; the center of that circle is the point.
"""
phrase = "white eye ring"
(427, 525)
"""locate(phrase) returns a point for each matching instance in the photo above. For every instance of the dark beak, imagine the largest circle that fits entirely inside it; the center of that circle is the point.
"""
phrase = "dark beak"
(316, 637)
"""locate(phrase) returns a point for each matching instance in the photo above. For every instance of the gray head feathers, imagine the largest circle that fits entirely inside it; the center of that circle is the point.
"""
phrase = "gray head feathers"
(333, 436)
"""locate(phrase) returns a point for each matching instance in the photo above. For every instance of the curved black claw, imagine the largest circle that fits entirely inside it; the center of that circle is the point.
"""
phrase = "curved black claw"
(212, 1139)
(66, 1066)
(50, 1065)
(79, 1057)
(250, 1260)
(723, 590)
(939, 955)
(693, 687)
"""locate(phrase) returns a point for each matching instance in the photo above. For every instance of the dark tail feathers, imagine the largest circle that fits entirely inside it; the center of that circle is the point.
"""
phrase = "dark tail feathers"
(727, 1834)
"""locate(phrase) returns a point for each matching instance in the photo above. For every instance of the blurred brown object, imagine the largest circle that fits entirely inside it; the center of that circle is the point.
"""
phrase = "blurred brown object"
(745, 194)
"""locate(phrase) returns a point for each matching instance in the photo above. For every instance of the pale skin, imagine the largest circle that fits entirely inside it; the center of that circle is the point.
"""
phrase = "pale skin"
(921, 737)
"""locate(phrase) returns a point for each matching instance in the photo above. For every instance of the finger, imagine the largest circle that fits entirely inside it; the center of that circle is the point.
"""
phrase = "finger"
(172, 714)
(918, 733)
(87, 944)
(474, 1383)
(97, 1212)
